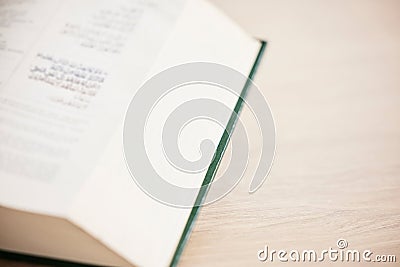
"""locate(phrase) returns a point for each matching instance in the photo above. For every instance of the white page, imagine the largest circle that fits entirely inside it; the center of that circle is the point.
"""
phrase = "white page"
(68, 69)
(110, 206)
(21, 24)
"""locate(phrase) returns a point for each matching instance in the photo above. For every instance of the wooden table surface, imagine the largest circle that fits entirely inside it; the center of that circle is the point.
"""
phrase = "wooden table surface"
(332, 77)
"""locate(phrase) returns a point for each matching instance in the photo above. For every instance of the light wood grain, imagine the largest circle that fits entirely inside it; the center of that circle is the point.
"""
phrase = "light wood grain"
(332, 77)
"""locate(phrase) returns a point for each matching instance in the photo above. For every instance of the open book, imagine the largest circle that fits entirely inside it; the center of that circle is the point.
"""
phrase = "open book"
(68, 70)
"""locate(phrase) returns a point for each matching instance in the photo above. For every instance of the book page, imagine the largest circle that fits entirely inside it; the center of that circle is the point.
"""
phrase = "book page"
(21, 23)
(111, 206)
(67, 72)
